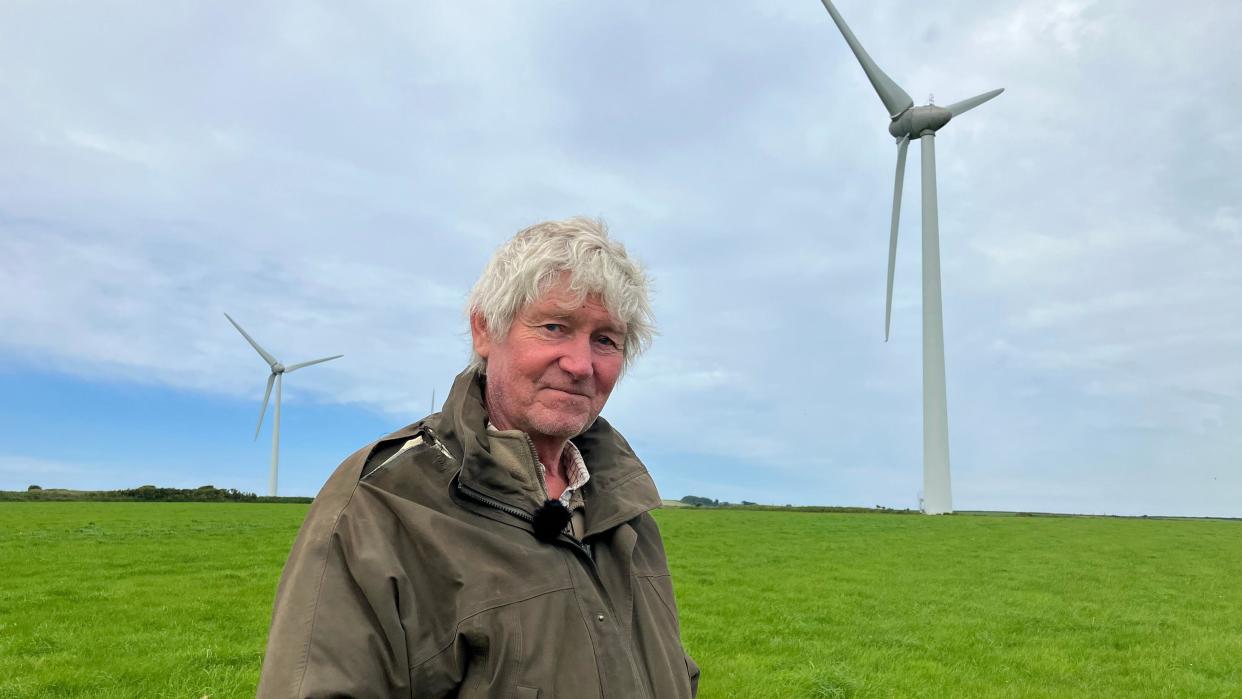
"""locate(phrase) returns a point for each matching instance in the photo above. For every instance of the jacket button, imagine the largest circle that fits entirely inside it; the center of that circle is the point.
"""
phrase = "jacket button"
(599, 617)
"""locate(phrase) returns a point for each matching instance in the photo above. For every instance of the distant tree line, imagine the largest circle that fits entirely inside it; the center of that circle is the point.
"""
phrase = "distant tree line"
(203, 493)
(147, 493)
(698, 501)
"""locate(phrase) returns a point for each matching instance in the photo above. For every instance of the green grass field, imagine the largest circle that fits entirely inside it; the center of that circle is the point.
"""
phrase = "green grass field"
(172, 600)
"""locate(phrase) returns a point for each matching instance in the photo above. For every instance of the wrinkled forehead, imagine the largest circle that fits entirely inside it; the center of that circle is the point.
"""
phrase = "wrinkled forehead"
(560, 298)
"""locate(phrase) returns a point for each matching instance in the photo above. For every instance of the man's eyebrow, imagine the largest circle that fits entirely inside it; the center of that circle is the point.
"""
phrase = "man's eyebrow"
(553, 315)
(568, 315)
(612, 328)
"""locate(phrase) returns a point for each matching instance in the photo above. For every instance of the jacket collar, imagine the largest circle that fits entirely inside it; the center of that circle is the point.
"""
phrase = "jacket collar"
(502, 465)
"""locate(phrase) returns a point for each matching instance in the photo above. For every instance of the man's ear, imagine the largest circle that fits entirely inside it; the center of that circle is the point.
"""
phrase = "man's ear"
(479, 336)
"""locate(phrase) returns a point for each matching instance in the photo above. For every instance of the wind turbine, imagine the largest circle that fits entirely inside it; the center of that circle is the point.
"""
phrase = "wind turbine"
(909, 122)
(278, 370)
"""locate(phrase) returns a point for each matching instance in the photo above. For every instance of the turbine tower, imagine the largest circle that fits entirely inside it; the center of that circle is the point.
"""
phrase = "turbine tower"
(278, 370)
(909, 122)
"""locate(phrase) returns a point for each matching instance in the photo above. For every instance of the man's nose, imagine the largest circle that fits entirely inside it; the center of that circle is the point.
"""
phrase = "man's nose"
(576, 359)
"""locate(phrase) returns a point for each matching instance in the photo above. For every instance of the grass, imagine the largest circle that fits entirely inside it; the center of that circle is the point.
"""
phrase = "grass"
(172, 600)
(138, 599)
(806, 605)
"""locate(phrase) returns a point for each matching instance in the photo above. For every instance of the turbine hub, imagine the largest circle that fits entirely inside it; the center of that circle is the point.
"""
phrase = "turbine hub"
(914, 121)
(278, 368)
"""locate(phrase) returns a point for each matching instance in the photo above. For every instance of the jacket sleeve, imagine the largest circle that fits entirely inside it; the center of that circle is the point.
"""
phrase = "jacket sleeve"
(335, 632)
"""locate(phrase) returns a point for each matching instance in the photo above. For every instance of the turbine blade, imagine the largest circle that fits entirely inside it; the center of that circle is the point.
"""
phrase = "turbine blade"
(959, 108)
(263, 410)
(902, 145)
(271, 361)
(295, 367)
(895, 99)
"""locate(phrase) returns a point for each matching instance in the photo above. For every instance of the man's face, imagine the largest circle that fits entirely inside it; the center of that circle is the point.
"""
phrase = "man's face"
(552, 373)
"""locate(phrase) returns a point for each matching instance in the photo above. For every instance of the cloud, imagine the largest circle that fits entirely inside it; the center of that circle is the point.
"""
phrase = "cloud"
(335, 180)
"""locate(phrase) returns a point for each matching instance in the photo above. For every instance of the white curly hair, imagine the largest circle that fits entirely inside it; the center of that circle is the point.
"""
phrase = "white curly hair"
(523, 268)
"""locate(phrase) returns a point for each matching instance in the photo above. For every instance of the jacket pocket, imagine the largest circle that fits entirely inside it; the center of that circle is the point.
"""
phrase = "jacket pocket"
(657, 632)
(525, 693)
(663, 586)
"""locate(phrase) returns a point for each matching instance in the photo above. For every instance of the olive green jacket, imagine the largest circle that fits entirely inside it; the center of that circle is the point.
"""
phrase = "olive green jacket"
(417, 574)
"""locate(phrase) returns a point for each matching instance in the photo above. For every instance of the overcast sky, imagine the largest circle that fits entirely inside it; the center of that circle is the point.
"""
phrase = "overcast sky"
(335, 176)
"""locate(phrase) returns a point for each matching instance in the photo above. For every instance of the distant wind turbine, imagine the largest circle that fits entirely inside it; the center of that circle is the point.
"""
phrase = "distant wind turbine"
(909, 122)
(278, 370)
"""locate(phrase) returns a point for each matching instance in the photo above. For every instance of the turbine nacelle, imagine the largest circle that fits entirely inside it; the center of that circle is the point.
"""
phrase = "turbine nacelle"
(914, 122)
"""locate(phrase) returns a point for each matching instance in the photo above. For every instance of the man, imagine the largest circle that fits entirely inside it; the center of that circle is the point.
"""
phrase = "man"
(502, 547)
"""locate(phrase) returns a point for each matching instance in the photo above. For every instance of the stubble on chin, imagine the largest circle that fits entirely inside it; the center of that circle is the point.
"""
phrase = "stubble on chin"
(555, 423)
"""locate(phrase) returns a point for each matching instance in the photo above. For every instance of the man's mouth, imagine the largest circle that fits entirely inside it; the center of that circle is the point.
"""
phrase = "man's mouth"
(568, 391)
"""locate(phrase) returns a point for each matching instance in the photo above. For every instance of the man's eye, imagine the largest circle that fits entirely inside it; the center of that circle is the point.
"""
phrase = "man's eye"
(608, 341)
(553, 327)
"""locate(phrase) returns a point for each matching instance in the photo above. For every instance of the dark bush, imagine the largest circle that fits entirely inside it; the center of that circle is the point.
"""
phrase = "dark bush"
(699, 501)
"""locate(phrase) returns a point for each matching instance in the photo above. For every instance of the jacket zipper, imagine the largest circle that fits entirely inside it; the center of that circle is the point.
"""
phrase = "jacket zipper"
(483, 499)
(539, 467)
(472, 494)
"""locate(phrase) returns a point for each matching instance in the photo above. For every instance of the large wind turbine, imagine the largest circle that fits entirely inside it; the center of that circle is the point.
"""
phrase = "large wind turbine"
(278, 370)
(909, 122)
